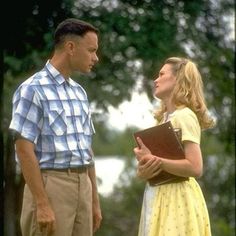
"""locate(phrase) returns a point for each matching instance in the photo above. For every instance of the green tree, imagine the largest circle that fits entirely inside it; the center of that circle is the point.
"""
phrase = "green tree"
(136, 36)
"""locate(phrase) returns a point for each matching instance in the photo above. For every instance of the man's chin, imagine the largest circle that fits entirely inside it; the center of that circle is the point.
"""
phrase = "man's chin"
(85, 71)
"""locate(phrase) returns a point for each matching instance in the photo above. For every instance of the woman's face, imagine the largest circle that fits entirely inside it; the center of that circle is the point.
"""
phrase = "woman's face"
(165, 83)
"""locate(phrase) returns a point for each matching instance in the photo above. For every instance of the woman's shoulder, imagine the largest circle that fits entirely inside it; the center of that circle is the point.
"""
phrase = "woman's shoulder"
(185, 116)
(186, 120)
(185, 112)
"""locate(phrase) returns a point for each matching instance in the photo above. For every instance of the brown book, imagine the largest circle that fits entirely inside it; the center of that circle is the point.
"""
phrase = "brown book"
(163, 141)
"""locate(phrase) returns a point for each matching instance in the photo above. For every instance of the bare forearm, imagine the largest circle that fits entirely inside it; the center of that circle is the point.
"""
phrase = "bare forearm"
(92, 176)
(33, 178)
(191, 165)
(179, 167)
(97, 215)
(93, 179)
(31, 172)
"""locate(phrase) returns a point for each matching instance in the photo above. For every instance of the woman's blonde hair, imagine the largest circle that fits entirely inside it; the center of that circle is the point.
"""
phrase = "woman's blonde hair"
(188, 91)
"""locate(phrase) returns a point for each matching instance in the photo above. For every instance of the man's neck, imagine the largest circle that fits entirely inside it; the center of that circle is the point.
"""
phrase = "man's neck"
(61, 65)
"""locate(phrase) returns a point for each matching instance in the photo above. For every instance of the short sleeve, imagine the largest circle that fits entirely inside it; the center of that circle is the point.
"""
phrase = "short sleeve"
(26, 114)
(187, 121)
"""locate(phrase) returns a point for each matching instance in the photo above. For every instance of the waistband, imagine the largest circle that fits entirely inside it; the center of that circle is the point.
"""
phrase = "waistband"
(78, 170)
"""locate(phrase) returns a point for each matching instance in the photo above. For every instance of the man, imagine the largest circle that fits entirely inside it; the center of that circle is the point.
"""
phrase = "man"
(52, 126)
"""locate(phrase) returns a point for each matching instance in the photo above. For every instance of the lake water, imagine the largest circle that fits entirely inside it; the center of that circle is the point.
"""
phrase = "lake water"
(108, 169)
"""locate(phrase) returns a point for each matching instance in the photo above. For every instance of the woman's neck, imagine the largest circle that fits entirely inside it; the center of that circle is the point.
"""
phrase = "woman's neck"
(170, 107)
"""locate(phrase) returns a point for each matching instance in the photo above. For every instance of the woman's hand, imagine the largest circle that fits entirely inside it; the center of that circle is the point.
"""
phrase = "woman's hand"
(142, 150)
(149, 166)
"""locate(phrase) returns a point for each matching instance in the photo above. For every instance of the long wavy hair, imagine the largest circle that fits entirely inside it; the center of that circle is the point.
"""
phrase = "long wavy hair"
(188, 91)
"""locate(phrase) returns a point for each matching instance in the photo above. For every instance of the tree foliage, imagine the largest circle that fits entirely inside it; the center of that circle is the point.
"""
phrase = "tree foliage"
(135, 38)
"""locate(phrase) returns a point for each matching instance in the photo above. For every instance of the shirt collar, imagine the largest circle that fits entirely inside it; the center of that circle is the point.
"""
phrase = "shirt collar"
(56, 75)
(167, 116)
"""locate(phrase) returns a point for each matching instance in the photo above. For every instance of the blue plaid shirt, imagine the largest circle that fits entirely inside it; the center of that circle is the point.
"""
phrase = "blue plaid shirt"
(54, 114)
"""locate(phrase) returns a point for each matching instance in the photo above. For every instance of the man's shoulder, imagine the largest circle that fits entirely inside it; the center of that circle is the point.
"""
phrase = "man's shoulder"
(78, 87)
(74, 83)
(32, 84)
(39, 78)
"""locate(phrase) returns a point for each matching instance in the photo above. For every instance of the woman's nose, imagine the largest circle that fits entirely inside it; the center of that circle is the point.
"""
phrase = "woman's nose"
(155, 80)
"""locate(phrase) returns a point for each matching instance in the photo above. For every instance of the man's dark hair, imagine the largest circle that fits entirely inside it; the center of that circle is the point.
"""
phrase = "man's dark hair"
(72, 26)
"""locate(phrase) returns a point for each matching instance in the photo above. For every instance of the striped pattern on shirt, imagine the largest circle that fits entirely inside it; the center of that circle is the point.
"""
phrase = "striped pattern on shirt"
(54, 114)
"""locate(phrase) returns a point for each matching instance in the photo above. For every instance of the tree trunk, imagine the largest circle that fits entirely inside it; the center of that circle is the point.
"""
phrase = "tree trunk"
(12, 193)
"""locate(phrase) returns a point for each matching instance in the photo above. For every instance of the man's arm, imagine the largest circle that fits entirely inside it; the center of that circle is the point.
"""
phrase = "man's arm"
(97, 215)
(33, 178)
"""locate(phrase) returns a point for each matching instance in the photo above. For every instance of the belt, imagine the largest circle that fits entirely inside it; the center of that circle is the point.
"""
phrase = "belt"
(81, 169)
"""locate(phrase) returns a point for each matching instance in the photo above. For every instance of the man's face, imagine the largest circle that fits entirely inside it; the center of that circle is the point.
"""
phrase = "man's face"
(85, 56)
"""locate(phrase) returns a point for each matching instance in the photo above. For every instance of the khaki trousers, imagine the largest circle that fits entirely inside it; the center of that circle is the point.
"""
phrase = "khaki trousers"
(70, 195)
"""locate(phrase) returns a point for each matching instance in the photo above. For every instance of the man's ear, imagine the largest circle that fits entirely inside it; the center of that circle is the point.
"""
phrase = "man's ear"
(70, 47)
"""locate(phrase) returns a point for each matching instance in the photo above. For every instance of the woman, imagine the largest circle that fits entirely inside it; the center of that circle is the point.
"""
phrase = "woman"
(177, 208)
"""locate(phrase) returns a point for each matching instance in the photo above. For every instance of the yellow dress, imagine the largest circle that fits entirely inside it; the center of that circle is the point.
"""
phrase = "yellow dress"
(176, 209)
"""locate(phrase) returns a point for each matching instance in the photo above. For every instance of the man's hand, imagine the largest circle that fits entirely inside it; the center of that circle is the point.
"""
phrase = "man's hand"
(97, 218)
(46, 218)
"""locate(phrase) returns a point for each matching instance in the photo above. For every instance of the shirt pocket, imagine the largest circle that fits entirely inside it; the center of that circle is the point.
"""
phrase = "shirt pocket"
(57, 121)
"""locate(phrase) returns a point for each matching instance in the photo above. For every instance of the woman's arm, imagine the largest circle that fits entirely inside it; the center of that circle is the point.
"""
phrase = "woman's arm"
(150, 165)
(190, 166)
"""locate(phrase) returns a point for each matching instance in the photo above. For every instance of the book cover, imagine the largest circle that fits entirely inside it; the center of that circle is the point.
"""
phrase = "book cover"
(163, 141)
